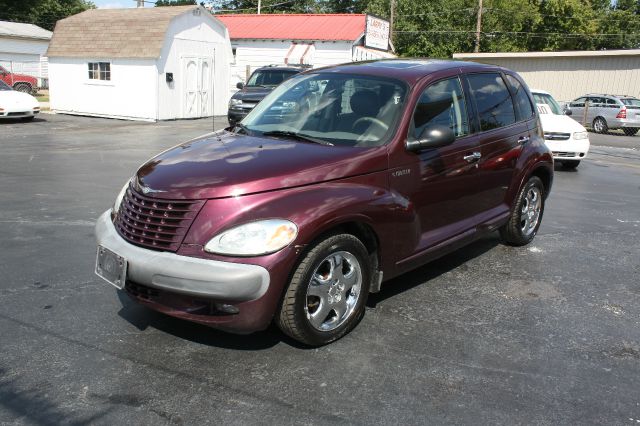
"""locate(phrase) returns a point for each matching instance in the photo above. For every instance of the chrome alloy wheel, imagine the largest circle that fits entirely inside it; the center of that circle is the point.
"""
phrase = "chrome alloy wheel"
(334, 290)
(530, 212)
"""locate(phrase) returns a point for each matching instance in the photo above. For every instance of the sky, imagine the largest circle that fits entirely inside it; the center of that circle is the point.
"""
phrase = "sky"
(116, 4)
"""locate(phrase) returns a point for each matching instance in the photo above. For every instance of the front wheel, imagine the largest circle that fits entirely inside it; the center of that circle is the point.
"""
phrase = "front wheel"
(327, 292)
(600, 125)
(526, 215)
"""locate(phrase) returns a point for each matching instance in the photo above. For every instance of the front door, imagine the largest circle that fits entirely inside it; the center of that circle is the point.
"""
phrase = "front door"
(441, 186)
(198, 84)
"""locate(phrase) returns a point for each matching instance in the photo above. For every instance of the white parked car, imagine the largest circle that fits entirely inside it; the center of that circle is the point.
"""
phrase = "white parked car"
(567, 139)
(14, 104)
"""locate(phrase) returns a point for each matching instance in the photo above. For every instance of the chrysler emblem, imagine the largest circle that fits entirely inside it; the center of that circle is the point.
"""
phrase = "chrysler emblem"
(146, 190)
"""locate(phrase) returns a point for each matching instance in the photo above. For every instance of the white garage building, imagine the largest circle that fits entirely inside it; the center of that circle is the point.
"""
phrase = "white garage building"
(22, 48)
(149, 64)
(316, 40)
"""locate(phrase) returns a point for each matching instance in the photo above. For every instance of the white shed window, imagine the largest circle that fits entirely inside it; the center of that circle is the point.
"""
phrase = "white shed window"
(100, 71)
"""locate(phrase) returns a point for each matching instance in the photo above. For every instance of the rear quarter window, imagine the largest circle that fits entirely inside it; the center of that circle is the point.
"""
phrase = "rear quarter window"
(524, 109)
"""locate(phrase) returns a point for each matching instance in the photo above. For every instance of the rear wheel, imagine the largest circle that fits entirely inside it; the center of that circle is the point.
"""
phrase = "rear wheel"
(600, 125)
(570, 164)
(526, 215)
(327, 293)
(22, 87)
(630, 131)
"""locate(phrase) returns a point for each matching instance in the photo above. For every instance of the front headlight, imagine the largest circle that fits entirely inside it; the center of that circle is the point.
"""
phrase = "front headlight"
(254, 239)
(123, 191)
(234, 102)
(580, 135)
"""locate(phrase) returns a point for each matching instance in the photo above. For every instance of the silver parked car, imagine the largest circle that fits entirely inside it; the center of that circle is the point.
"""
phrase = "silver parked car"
(607, 112)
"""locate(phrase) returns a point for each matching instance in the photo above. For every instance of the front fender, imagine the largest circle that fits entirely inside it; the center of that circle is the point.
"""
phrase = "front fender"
(317, 209)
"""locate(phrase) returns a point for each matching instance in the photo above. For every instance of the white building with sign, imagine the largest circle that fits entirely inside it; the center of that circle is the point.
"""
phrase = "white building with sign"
(316, 40)
(150, 64)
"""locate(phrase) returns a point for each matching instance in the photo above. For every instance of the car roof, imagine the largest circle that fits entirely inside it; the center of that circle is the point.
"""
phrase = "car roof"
(283, 68)
(409, 70)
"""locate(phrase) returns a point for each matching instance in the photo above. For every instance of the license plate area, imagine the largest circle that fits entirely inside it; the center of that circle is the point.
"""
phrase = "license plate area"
(111, 267)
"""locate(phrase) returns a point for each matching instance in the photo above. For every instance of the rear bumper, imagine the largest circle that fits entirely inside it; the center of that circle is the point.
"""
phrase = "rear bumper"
(617, 123)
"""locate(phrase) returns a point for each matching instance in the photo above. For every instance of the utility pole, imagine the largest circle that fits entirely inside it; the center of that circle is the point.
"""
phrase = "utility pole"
(259, 4)
(392, 13)
(478, 27)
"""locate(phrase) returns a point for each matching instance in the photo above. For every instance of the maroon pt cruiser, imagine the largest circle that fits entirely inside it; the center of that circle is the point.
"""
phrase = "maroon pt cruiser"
(340, 179)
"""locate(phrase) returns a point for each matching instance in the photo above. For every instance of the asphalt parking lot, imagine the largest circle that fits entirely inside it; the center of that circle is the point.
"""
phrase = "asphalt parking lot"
(544, 334)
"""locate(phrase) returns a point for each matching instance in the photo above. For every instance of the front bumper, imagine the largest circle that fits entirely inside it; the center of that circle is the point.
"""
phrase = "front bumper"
(184, 275)
(568, 150)
(236, 115)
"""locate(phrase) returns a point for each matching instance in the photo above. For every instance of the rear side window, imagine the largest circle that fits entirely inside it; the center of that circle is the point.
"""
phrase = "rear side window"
(441, 103)
(524, 109)
(493, 100)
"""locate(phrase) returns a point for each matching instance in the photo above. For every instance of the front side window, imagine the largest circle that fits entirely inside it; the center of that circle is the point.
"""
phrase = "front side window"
(523, 104)
(443, 104)
(4, 87)
(340, 109)
(100, 71)
(578, 103)
(493, 100)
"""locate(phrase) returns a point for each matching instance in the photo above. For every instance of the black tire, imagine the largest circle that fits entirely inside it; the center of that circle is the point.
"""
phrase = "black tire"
(630, 131)
(570, 164)
(600, 125)
(22, 87)
(27, 118)
(295, 317)
(513, 232)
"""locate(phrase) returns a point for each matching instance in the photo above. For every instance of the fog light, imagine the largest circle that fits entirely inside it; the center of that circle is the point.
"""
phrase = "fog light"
(226, 309)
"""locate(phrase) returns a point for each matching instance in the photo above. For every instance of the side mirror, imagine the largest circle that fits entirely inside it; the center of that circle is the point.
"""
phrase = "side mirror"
(240, 85)
(567, 111)
(433, 136)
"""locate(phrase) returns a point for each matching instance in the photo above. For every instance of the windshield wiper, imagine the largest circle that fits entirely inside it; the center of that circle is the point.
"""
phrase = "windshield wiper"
(298, 136)
(242, 127)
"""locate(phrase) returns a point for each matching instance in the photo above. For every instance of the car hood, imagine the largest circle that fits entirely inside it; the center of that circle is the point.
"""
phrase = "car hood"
(560, 124)
(15, 98)
(252, 93)
(226, 164)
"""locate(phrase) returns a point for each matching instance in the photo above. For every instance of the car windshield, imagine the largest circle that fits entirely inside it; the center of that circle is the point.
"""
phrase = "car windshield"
(338, 109)
(269, 78)
(4, 86)
(631, 102)
(544, 98)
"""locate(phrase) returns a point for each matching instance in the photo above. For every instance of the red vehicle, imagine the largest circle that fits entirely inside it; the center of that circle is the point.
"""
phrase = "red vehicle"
(20, 82)
(340, 179)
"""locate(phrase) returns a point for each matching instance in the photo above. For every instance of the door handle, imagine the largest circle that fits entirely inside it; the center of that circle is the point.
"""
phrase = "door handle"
(475, 156)
(523, 139)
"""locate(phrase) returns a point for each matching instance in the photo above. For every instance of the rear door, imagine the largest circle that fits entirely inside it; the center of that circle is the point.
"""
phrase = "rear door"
(503, 131)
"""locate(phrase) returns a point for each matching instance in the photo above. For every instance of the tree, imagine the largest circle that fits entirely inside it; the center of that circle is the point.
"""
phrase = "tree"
(44, 13)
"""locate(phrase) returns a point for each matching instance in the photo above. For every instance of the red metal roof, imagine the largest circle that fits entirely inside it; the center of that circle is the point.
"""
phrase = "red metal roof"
(295, 27)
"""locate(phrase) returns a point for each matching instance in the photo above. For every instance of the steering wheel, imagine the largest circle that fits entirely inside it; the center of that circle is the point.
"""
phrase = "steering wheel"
(372, 120)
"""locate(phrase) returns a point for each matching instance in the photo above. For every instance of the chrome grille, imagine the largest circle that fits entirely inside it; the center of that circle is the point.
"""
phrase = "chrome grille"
(155, 223)
(564, 154)
(556, 136)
